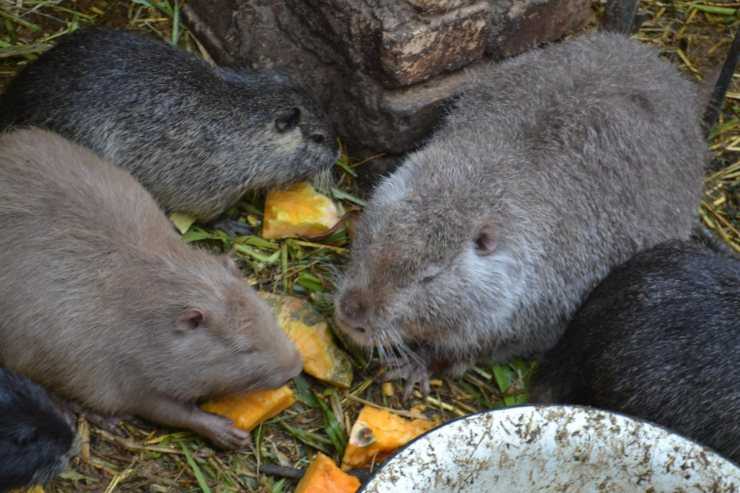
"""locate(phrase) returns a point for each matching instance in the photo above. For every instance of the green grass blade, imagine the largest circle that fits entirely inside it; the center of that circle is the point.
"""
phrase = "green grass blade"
(311, 439)
(504, 376)
(332, 427)
(196, 469)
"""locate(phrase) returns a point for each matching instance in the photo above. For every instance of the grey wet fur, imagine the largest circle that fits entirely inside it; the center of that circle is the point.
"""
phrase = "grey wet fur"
(659, 338)
(104, 304)
(37, 438)
(196, 136)
(551, 168)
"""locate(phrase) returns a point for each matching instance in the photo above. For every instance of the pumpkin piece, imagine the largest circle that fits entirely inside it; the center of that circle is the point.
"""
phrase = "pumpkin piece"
(322, 358)
(323, 476)
(387, 389)
(377, 433)
(298, 211)
(249, 410)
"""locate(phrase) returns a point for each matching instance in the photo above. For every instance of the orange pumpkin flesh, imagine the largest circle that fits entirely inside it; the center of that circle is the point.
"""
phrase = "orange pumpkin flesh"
(377, 433)
(298, 211)
(308, 330)
(323, 476)
(249, 410)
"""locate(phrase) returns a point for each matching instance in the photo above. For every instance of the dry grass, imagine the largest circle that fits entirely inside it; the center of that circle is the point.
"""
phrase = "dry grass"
(696, 36)
(144, 458)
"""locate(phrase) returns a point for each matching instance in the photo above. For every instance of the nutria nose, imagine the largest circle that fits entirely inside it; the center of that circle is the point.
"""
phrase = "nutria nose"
(353, 308)
(318, 138)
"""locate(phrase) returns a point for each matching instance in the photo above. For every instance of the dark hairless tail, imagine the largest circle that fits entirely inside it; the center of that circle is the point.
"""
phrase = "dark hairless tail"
(720, 87)
(620, 15)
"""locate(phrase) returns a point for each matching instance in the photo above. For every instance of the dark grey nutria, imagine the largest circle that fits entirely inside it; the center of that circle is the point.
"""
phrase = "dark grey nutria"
(195, 136)
(659, 338)
(552, 168)
(104, 304)
(36, 437)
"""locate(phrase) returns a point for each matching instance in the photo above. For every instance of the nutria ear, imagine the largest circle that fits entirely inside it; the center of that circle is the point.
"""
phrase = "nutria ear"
(190, 319)
(485, 240)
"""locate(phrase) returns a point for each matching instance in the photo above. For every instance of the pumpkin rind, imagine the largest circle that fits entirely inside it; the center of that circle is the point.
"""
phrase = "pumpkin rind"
(377, 433)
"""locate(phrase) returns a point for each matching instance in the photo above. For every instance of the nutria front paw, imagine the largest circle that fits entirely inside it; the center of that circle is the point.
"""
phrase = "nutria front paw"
(412, 372)
(223, 434)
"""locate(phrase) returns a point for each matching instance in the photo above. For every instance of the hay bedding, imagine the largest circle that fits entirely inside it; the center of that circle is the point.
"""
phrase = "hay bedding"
(139, 457)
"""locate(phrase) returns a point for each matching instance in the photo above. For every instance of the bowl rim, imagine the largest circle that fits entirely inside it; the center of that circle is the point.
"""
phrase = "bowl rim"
(389, 459)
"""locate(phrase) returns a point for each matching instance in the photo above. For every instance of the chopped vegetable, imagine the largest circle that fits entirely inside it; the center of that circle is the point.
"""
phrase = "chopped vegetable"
(298, 211)
(249, 410)
(387, 389)
(182, 221)
(308, 330)
(377, 433)
(323, 476)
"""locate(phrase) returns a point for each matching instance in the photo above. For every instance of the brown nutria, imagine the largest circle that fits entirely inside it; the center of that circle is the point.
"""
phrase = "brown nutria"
(104, 304)
(551, 168)
(197, 137)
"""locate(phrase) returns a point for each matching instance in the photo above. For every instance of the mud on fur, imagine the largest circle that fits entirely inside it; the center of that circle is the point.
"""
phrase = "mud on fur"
(550, 169)
(195, 136)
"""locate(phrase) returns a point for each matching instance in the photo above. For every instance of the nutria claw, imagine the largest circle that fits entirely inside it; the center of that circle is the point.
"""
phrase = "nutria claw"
(222, 433)
(412, 373)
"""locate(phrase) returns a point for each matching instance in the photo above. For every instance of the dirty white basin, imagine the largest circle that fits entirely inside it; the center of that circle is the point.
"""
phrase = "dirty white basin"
(563, 449)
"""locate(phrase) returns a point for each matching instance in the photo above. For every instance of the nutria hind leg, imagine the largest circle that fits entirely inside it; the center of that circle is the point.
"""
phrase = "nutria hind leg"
(102, 421)
(218, 430)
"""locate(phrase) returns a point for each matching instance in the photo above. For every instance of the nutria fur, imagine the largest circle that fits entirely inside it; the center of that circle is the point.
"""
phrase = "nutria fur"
(551, 168)
(195, 136)
(659, 338)
(104, 304)
(37, 438)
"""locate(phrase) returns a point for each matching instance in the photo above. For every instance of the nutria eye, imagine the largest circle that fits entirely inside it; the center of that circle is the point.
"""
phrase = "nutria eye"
(485, 243)
(430, 275)
(318, 138)
(288, 119)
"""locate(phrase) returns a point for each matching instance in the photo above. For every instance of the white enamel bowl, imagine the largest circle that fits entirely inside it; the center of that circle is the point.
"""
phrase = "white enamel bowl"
(564, 449)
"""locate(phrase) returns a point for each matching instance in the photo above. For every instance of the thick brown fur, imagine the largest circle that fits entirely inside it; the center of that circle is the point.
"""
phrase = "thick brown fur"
(104, 304)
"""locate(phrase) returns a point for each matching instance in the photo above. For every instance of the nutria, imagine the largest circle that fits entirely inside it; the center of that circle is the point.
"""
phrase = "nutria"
(37, 438)
(550, 169)
(659, 338)
(195, 136)
(104, 304)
